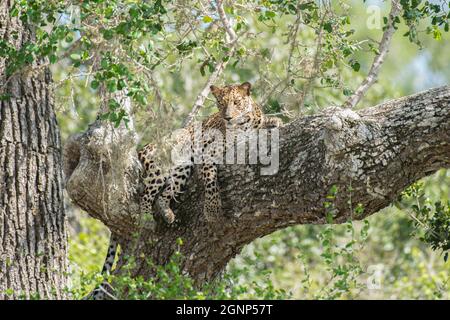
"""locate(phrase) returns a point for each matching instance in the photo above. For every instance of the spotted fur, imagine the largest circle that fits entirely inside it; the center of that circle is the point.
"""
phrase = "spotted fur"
(99, 293)
(153, 180)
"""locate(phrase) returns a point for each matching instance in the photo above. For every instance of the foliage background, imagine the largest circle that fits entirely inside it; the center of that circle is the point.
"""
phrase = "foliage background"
(291, 263)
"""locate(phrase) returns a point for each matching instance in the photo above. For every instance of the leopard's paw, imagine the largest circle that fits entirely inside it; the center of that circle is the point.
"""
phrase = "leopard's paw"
(166, 211)
(273, 122)
(168, 216)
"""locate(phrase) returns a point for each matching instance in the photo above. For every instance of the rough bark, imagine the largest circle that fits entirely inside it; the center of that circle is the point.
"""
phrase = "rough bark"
(33, 253)
(371, 156)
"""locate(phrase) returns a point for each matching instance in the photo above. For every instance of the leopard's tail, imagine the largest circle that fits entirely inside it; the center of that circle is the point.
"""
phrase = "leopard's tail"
(100, 292)
(111, 254)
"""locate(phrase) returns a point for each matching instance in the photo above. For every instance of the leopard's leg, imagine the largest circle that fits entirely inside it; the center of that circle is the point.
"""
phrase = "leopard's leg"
(153, 178)
(174, 185)
(153, 182)
(212, 205)
(213, 152)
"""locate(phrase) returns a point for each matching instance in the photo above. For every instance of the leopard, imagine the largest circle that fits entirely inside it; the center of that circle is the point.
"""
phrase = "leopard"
(237, 110)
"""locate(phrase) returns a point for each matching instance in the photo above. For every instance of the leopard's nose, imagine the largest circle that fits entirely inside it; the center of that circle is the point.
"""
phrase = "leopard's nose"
(228, 118)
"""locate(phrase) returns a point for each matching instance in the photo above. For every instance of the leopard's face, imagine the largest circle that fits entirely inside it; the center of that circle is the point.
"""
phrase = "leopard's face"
(234, 102)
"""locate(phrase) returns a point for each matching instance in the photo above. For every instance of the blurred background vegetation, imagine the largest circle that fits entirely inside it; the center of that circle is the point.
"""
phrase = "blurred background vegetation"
(295, 262)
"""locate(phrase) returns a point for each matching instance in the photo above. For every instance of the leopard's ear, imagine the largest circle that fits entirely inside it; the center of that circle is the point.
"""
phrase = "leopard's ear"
(215, 90)
(245, 87)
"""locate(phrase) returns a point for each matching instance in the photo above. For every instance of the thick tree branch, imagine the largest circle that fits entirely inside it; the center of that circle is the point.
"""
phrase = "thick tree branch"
(383, 50)
(102, 171)
(377, 152)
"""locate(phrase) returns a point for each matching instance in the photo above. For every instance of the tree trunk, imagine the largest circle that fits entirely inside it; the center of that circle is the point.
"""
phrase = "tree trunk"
(33, 240)
(370, 156)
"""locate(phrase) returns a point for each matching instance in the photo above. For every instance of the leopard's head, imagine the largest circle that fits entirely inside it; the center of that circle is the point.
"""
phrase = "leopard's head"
(234, 101)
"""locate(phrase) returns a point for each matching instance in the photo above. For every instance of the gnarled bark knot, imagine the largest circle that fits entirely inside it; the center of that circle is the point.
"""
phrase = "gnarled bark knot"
(102, 175)
(370, 155)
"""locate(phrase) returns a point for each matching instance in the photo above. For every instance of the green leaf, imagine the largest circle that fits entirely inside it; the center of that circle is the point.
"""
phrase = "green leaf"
(121, 84)
(95, 84)
(328, 27)
(437, 33)
(107, 34)
(104, 116)
(113, 105)
(75, 56)
(270, 14)
(347, 92)
(14, 12)
(356, 66)
(4, 97)
(307, 6)
(415, 3)
(111, 85)
(53, 58)
(207, 19)
(211, 67)
(104, 63)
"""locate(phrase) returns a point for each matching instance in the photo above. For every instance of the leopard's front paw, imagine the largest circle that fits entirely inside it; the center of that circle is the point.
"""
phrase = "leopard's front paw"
(167, 213)
(168, 216)
(273, 122)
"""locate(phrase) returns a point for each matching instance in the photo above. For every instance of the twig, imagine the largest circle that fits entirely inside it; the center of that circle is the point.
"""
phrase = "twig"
(199, 101)
(292, 39)
(294, 43)
(383, 49)
(315, 68)
(225, 22)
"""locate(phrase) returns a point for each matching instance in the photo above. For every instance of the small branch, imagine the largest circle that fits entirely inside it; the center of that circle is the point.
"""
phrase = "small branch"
(199, 101)
(378, 60)
(225, 22)
(294, 43)
(315, 68)
(423, 225)
(232, 43)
